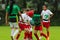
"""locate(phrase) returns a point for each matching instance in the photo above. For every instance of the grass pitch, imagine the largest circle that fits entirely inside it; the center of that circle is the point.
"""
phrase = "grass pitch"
(5, 33)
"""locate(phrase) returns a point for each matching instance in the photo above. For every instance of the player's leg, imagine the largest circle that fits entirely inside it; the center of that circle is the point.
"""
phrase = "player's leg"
(26, 34)
(41, 31)
(35, 33)
(47, 29)
(18, 35)
(47, 25)
(42, 34)
(12, 29)
(47, 34)
(16, 29)
(43, 24)
(30, 34)
(21, 27)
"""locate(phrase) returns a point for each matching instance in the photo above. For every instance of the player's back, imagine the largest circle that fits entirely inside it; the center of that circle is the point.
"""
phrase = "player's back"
(36, 19)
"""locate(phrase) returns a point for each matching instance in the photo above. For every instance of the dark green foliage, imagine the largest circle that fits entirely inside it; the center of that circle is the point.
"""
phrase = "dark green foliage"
(55, 20)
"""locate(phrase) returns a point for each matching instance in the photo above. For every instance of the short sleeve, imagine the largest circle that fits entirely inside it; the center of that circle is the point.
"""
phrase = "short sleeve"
(41, 13)
(50, 12)
(18, 8)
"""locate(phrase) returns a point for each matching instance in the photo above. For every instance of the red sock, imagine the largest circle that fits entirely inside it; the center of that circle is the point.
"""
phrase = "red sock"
(36, 36)
(17, 36)
(30, 35)
(25, 35)
(42, 34)
(48, 33)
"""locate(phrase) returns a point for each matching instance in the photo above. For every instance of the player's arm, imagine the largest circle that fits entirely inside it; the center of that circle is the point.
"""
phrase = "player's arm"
(41, 21)
(28, 22)
(41, 16)
(51, 14)
(6, 18)
(20, 15)
(18, 8)
(19, 11)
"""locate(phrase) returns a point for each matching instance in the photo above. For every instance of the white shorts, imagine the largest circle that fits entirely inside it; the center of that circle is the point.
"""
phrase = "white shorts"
(15, 25)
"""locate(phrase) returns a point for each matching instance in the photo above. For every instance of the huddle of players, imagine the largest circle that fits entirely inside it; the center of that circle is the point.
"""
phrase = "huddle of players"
(26, 21)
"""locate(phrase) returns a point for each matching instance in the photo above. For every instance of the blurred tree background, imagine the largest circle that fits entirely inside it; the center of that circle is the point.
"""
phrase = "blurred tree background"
(53, 5)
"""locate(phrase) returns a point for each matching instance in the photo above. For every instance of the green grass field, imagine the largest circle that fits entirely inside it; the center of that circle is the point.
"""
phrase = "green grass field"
(5, 33)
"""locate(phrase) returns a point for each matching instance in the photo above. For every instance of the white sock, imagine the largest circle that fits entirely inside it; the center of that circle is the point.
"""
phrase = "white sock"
(16, 32)
(12, 32)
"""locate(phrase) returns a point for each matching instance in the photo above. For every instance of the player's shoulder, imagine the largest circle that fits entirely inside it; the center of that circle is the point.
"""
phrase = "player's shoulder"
(48, 10)
(24, 14)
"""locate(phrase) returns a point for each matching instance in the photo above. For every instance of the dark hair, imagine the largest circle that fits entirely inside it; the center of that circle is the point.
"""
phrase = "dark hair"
(31, 9)
(27, 10)
(45, 5)
(11, 5)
